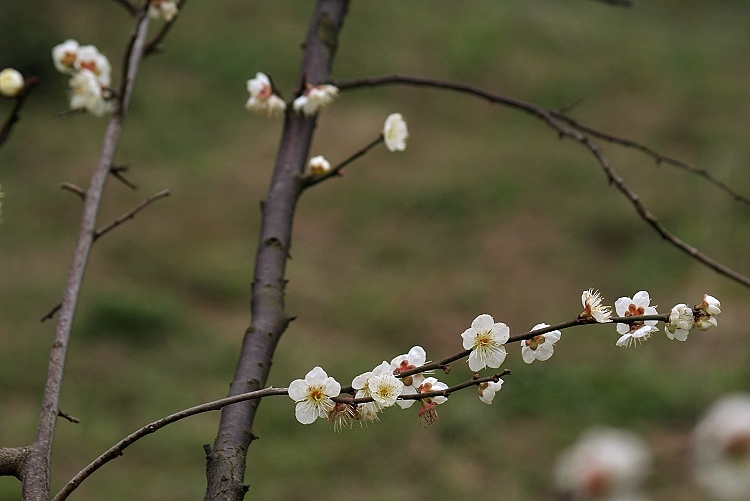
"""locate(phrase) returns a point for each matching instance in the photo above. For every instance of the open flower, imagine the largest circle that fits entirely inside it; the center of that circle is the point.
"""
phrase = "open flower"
(427, 413)
(318, 166)
(86, 94)
(11, 83)
(385, 388)
(593, 308)
(539, 347)
(162, 8)
(315, 98)
(721, 448)
(395, 132)
(313, 395)
(403, 363)
(680, 322)
(64, 56)
(369, 411)
(605, 464)
(263, 100)
(487, 390)
(635, 332)
(485, 339)
(89, 58)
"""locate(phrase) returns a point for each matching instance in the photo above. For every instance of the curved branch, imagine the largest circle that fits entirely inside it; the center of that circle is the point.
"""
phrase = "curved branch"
(551, 118)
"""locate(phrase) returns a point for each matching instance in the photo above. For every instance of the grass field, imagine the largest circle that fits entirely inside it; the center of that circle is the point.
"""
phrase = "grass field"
(486, 212)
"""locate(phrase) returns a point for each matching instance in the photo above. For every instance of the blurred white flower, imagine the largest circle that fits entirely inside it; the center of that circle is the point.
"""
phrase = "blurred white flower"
(487, 390)
(604, 464)
(262, 98)
(680, 322)
(64, 56)
(402, 363)
(721, 449)
(593, 308)
(86, 94)
(539, 347)
(318, 165)
(315, 98)
(395, 132)
(162, 8)
(11, 82)
(89, 58)
(485, 339)
(313, 395)
(635, 332)
(427, 413)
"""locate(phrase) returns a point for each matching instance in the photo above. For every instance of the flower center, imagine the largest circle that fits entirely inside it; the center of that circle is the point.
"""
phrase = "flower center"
(483, 340)
(316, 394)
(90, 65)
(535, 341)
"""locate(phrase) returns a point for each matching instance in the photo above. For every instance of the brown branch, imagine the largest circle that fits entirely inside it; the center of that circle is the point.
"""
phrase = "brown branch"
(618, 3)
(37, 468)
(51, 313)
(73, 189)
(67, 416)
(117, 170)
(129, 5)
(550, 118)
(312, 180)
(117, 450)
(131, 213)
(13, 461)
(15, 112)
(154, 45)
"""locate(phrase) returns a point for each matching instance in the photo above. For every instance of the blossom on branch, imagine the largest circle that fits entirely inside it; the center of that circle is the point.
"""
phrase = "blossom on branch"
(395, 132)
(315, 98)
(635, 332)
(313, 395)
(263, 100)
(342, 416)
(89, 58)
(11, 83)
(710, 305)
(318, 166)
(485, 339)
(162, 8)
(385, 388)
(427, 413)
(487, 390)
(369, 411)
(402, 363)
(91, 76)
(64, 56)
(593, 308)
(680, 322)
(86, 94)
(721, 448)
(539, 347)
(707, 310)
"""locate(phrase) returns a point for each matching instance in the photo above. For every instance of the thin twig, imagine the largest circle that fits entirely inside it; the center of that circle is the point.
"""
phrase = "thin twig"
(129, 5)
(117, 170)
(131, 213)
(51, 313)
(15, 112)
(154, 45)
(67, 416)
(73, 189)
(551, 119)
(312, 180)
(618, 3)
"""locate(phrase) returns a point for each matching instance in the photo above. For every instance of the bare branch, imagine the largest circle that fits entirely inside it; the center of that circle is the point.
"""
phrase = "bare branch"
(618, 3)
(15, 112)
(131, 213)
(117, 170)
(67, 416)
(73, 189)
(312, 180)
(551, 119)
(13, 461)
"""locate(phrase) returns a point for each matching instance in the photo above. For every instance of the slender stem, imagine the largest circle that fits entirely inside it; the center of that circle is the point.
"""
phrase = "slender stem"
(37, 468)
(131, 213)
(336, 171)
(15, 112)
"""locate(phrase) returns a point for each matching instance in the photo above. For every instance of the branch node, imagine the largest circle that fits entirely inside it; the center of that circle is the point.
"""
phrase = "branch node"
(67, 416)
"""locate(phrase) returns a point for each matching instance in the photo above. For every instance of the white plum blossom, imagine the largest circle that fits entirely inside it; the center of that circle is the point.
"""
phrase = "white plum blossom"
(369, 411)
(721, 448)
(632, 334)
(485, 339)
(487, 390)
(86, 94)
(604, 464)
(539, 347)
(708, 309)
(395, 132)
(315, 98)
(318, 166)
(162, 8)
(263, 100)
(64, 56)
(593, 308)
(402, 363)
(89, 58)
(710, 305)
(385, 388)
(427, 413)
(680, 322)
(313, 395)
(11, 83)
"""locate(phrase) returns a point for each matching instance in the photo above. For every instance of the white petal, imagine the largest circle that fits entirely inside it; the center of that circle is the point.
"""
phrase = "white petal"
(527, 353)
(332, 387)
(417, 356)
(641, 299)
(475, 362)
(298, 390)
(501, 332)
(495, 358)
(469, 335)
(622, 305)
(316, 376)
(483, 322)
(305, 412)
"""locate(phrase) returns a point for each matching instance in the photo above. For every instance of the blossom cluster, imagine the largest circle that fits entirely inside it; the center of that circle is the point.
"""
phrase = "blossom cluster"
(90, 80)
(165, 9)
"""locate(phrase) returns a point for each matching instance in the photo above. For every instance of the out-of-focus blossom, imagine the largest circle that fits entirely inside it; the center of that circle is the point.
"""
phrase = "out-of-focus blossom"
(539, 347)
(632, 334)
(11, 83)
(721, 449)
(427, 413)
(604, 464)
(86, 94)
(313, 395)
(593, 308)
(485, 339)
(64, 56)
(89, 58)
(402, 363)
(315, 98)
(263, 100)
(162, 8)
(395, 132)
(680, 322)
(487, 390)
(318, 166)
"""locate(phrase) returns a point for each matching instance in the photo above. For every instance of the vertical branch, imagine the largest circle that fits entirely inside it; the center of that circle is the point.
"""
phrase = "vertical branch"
(225, 469)
(37, 467)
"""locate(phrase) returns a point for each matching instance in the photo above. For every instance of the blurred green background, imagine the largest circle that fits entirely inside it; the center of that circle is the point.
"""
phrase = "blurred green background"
(486, 212)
